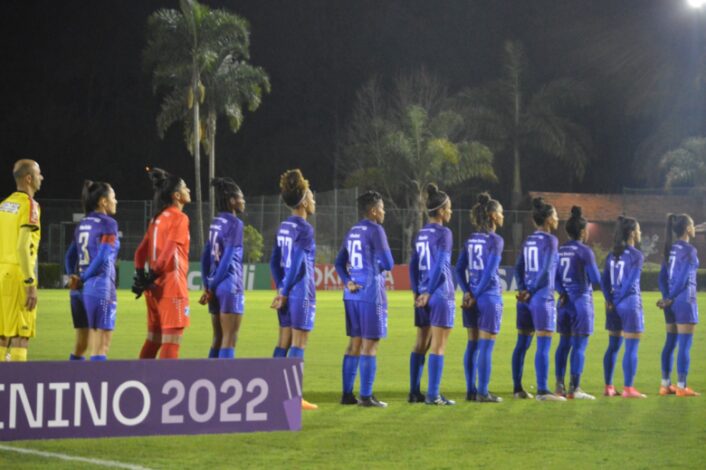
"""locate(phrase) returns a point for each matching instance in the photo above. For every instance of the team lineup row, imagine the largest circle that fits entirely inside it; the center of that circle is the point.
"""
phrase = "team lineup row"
(161, 263)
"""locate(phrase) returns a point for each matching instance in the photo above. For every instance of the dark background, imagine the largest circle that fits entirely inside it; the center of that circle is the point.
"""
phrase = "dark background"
(77, 99)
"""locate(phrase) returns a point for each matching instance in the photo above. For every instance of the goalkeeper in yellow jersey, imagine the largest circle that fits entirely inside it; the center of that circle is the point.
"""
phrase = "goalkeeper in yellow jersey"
(19, 244)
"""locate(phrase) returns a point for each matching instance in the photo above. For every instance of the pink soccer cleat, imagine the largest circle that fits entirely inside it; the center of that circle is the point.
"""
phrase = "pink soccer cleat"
(632, 392)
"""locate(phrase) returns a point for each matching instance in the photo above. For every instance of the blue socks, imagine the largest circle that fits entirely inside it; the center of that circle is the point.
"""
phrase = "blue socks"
(518, 359)
(99, 357)
(296, 352)
(683, 357)
(485, 355)
(670, 344)
(280, 352)
(226, 353)
(350, 369)
(611, 357)
(416, 367)
(368, 367)
(213, 353)
(578, 358)
(470, 360)
(561, 357)
(436, 368)
(630, 360)
(541, 362)
(72, 357)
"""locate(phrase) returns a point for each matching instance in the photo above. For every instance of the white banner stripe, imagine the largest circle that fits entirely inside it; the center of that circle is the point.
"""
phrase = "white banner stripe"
(54, 455)
(296, 381)
(286, 380)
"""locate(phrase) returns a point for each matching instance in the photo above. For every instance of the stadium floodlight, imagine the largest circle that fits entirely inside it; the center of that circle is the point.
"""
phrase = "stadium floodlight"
(696, 3)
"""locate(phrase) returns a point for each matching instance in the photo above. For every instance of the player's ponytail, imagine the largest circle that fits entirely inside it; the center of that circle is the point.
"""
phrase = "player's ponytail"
(293, 188)
(541, 211)
(481, 211)
(367, 201)
(435, 200)
(576, 223)
(164, 185)
(92, 193)
(226, 189)
(623, 228)
(676, 225)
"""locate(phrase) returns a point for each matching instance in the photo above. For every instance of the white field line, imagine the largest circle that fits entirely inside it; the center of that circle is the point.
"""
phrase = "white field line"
(54, 455)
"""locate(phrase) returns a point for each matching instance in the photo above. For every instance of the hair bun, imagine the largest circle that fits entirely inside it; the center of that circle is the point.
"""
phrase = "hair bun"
(538, 202)
(483, 199)
(157, 176)
(576, 212)
(432, 189)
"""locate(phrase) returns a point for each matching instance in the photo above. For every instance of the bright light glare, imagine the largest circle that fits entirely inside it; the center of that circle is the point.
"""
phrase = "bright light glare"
(696, 3)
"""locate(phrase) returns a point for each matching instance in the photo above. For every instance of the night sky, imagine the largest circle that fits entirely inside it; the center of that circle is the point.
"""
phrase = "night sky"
(77, 99)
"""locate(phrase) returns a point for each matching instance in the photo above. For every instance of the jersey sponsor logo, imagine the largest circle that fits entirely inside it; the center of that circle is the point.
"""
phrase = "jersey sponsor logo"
(10, 207)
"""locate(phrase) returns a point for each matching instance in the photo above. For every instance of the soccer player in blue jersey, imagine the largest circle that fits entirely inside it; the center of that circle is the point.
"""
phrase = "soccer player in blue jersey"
(292, 266)
(477, 274)
(624, 315)
(90, 262)
(535, 272)
(576, 273)
(222, 269)
(678, 287)
(361, 264)
(433, 288)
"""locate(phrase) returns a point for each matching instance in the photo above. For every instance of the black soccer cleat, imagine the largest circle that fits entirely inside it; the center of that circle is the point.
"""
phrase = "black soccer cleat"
(471, 396)
(349, 399)
(416, 397)
(440, 400)
(371, 402)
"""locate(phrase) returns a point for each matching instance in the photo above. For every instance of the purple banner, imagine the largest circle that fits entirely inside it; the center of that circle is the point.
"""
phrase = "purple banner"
(51, 400)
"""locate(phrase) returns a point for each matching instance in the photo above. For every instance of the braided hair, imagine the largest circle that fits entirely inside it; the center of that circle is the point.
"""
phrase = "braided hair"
(576, 223)
(226, 189)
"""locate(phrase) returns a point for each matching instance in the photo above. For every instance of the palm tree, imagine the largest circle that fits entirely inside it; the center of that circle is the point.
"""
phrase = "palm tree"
(192, 53)
(685, 165)
(508, 118)
(230, 87)
(400, 142)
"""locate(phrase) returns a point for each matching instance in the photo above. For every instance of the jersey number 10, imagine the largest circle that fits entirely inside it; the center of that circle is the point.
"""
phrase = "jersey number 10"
(531, 254)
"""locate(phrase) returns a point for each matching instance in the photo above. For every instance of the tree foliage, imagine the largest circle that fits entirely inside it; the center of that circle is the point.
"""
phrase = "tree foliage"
(515, 120)
(686, 164)
(253, 244)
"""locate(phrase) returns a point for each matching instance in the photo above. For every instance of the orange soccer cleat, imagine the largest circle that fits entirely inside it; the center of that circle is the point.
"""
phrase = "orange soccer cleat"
(308, 406)
(669, 390)
(686, 392)
(610, 391)
(632, 392)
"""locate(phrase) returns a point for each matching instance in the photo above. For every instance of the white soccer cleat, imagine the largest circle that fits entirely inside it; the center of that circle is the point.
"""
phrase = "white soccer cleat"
(549, 397)
(579, 394)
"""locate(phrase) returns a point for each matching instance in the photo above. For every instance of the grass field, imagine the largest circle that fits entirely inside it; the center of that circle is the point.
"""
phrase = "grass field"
(658, 432)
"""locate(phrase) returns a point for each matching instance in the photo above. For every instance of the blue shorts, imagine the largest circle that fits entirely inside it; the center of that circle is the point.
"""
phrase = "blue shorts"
(78, 313)
(486, 314)
(298, 314)
(669, 317)
(537, 315)
(685, 312)
(365, 320)
(439, 312)
(100, 312)
(627, 316)
(576, 316)
(225, 301)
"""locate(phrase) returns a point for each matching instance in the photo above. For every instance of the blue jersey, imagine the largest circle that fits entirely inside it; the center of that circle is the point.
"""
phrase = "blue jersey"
(621, 276)
(577, 269)
(97, 245)
(535, 269)
(477, 265)
(363, 259)
(225, 240)
(681, 273)
(293, 258)
(430, 266)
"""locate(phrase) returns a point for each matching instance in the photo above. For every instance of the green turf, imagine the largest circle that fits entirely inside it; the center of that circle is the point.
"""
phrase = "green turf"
(652, 433)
